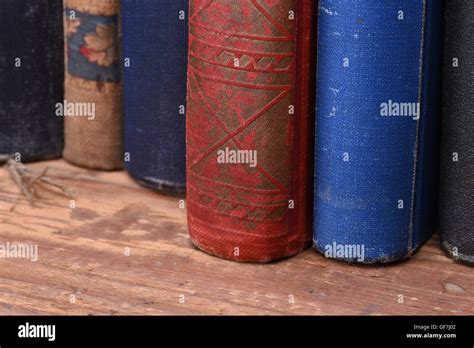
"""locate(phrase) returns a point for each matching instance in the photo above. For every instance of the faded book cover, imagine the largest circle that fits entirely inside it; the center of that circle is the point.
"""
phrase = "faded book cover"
(93, 90)
(249, 127)
(457, 160)
(377, 147)
(31, 79)
(155, 54)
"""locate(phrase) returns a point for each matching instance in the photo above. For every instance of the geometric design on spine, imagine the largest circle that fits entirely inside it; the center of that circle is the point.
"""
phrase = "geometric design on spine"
(266, 59)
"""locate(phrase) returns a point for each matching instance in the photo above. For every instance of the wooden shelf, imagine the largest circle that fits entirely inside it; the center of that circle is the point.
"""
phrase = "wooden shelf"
(82, 253)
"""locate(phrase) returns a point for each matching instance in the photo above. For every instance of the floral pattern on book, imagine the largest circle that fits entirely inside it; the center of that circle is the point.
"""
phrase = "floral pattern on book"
(92, 47)
(101, 47)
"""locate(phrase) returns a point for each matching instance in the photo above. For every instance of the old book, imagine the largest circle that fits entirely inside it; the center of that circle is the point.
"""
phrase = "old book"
(457, 177)
(155, 49)
(377, 131)
(31, 79)
(93, 91)
(249, 128)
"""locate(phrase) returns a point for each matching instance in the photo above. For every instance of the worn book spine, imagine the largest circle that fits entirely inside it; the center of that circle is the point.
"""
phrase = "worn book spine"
(31, 79)
(93, 91)
(249, 128)
(457, 160)
(155, 49)
(378, 81)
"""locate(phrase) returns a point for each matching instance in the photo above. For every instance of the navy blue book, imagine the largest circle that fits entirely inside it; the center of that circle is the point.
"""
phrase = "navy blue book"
(377, 134)
(31, 79)
(155, 62)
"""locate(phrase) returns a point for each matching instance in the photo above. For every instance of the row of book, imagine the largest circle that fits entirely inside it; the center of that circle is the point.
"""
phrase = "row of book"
(218, 98)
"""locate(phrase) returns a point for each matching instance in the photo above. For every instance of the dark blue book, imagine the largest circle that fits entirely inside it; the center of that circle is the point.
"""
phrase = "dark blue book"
(377, 132)
(155, 62)
(31, 79)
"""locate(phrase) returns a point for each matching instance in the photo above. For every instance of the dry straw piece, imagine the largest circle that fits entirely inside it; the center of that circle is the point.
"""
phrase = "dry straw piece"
(30, 181)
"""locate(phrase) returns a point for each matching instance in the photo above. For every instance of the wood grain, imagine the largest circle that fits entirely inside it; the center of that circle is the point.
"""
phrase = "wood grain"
(82, 253)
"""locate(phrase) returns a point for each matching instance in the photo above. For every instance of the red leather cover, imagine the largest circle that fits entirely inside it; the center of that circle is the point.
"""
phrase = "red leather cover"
(249, 63)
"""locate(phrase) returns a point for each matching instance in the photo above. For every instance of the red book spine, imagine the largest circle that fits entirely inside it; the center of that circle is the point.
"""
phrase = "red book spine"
(249, 127)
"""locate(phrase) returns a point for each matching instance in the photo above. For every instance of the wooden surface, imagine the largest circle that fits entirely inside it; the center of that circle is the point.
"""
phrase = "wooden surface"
(83, 267)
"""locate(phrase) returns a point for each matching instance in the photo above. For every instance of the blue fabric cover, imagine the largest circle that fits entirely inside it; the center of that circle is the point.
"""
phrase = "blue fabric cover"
(155, 42)
(377, 176)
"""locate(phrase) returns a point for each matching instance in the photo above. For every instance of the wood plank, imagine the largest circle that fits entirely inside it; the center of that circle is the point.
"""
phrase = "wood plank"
(82, 253)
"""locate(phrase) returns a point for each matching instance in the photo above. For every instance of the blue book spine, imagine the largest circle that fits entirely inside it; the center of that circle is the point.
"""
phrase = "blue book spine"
(155, 62)
(377, 136)
(31, 79)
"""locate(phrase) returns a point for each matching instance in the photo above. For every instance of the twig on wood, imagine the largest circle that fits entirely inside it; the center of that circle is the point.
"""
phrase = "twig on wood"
(64, 191)
(28, 180)
(14, 173)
